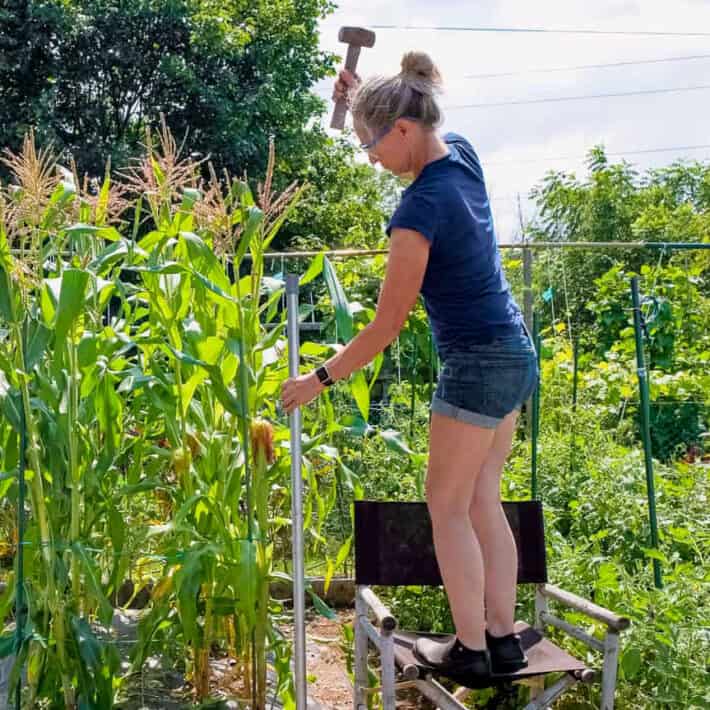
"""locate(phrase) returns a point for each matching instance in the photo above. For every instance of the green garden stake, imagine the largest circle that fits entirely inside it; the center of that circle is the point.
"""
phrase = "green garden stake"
(413, 380)
(646, 427)
(431, 366)
(575, 378)
(535, 412)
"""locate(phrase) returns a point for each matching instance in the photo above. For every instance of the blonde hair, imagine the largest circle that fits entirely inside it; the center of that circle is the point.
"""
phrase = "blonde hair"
(380, 101)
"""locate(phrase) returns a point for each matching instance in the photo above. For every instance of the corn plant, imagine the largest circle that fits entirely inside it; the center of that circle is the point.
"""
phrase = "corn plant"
(45, 305)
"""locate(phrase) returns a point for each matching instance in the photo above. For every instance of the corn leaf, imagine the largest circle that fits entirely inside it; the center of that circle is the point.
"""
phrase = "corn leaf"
(71, 301)
(343, 317)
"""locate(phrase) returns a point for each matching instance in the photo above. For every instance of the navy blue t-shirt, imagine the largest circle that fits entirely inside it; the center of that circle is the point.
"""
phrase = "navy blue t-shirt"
(465, 292)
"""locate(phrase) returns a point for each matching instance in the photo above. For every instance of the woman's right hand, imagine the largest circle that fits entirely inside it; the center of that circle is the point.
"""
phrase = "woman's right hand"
(344, 84)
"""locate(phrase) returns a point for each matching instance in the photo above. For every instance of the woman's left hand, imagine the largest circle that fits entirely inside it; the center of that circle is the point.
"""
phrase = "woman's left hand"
(297, 391)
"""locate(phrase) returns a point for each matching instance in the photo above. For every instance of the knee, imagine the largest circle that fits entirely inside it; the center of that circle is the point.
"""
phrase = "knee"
(484, 503)
(444, 503)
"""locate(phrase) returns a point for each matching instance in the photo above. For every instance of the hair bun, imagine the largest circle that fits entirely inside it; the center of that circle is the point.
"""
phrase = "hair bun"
(420, 72)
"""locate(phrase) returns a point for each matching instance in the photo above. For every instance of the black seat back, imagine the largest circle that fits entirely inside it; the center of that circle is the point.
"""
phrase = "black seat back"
(394, 546)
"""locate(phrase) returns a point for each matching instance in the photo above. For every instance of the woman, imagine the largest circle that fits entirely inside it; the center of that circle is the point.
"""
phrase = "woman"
(443, 245)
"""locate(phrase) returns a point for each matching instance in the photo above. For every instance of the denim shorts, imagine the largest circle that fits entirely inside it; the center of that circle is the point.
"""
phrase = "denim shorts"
(481, 384)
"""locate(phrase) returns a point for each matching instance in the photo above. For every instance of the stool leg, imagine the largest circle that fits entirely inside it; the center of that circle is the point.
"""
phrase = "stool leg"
(360, 659)
(537, 685)
(611, 659)
(387, 659)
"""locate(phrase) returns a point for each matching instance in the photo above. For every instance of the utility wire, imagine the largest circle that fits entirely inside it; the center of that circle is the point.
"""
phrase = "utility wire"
(550, 70)
(543, 159)
(541, 30)
(584, 97)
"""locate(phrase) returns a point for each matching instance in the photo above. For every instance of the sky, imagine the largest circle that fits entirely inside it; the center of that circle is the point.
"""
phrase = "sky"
(517, 144)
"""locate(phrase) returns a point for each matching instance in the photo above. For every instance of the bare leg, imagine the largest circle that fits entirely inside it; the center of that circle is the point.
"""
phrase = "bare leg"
(500, 557)
(457, 452)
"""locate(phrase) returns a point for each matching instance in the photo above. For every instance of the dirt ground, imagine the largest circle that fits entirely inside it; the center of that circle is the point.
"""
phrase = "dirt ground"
(330, 684)
(325, 661)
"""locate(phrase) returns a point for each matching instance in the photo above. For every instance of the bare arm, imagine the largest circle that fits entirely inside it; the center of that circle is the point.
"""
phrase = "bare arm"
(406, 264)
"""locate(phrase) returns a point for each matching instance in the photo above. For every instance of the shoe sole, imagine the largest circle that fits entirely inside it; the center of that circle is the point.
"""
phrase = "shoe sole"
(509, 668)
(463, 674)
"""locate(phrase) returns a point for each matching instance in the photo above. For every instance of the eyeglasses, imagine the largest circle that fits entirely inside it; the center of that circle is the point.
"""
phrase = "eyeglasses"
(369, 146)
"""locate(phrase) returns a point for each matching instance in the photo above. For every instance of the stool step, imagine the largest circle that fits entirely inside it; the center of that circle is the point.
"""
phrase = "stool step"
(543, 657)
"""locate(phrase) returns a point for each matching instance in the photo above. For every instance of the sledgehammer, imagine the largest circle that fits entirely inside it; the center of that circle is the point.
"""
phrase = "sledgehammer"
(356, 37)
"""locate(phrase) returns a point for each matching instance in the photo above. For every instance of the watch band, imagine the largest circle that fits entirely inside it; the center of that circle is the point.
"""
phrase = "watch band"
(324, 376)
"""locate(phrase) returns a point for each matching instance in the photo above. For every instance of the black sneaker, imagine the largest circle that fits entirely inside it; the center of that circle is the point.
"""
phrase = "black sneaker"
(452, 657)
(507, 655)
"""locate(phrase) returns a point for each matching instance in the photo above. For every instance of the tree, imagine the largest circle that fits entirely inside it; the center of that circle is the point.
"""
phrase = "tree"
(226, 75)
(29, 36)
(347, 203)
(614, 203)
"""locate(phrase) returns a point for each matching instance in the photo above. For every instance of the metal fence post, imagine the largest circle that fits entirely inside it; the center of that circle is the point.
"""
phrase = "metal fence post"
(535, 412)
(528, 316)
(299, 620)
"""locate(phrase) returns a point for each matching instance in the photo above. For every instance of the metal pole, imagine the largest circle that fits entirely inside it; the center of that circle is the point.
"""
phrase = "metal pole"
(528, 316)
(299, 620)
(535, 412)
(646, 427)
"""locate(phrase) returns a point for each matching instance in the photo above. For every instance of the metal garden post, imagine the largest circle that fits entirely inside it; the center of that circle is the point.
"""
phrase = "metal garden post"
(528, 316)
(535, 411)
(646, 427)
(299, 622)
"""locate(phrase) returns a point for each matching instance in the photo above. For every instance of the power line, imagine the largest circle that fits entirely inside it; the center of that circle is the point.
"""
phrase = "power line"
(641, 151)
(584, 97)
(585, 66)
(540, 30)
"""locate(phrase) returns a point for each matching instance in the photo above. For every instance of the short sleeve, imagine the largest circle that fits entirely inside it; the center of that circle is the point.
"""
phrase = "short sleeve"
(416, 211)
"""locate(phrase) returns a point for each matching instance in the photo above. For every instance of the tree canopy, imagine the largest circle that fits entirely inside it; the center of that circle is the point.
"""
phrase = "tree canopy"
(90, 75)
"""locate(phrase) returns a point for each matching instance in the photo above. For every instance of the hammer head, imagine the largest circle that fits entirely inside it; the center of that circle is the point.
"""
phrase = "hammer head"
(358, 36)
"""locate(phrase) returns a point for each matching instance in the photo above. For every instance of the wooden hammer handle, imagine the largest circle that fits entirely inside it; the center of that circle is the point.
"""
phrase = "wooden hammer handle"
(341, 106)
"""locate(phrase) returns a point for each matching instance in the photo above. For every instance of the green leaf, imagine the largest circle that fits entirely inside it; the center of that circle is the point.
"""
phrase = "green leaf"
(631, 662)
(109, 233)
(320, 606)
(394, 441)
(343, 317)
(7, 645)
(376, 367)
(89, 646)
(655, 555)
(36, 344)
(6, 291)
(147, 484)
(188, 580)
(361, 393)
(203, 259)
(253, 222)
(356, 425)
(92, 576)
(314, 270)
(71, 301)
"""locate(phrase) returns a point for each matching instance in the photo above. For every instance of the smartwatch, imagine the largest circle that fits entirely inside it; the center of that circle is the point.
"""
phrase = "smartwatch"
(324, 376)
